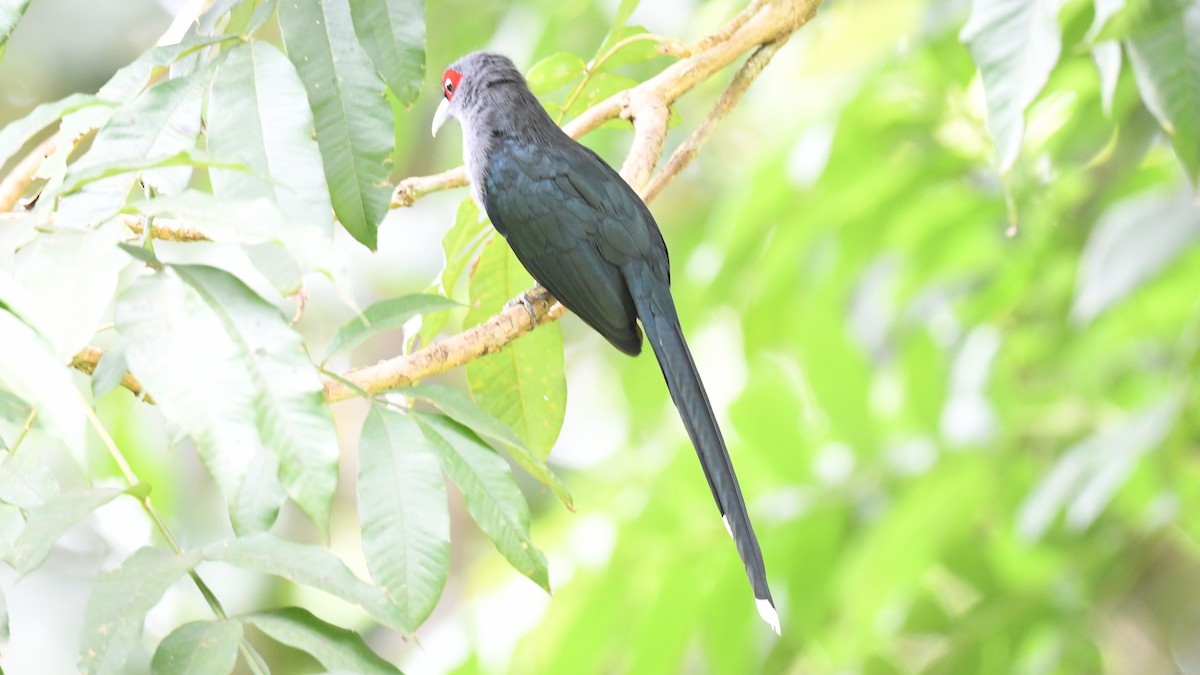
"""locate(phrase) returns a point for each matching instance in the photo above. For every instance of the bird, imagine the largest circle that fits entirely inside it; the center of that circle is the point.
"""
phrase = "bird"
(587, 237)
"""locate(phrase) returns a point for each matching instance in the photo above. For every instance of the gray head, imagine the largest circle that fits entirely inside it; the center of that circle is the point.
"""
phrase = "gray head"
(485, 92)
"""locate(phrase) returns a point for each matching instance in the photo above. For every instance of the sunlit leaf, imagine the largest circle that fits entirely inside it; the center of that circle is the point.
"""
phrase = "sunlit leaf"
(308, 566)
(29, 370)
(257, 117)
(16, 134)
(1164, 49)
(465, 411)
(555, 71)
(1015, 44)
(66, 308)
(383, 316)
(48, 521)
(1135, 240)
(393, 34)
(11, 12)
(524, 384)
(199, 648)
(227, 367)
(493, 499)
(141, 135)
(1089, 473)
(352, 117)
(334, 647)
(117, 608)
(404, 514)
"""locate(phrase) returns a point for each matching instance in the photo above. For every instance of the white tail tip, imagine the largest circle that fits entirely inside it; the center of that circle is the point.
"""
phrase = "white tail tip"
(767, 611)
(725, 519)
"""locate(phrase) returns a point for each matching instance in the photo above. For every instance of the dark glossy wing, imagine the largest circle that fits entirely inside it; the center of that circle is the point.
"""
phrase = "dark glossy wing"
(573, 223)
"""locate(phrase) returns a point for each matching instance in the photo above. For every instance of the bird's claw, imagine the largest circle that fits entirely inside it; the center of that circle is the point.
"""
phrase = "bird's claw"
(526, 300)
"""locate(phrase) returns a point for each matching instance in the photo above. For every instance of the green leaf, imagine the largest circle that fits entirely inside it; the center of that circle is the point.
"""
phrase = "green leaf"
(353, 119)
(199, 648)
(257, 116)
(16, 134)
(26, 481)
(1015, 44)
(523, 385)
(392, 32)
(30, 371)
(555, 71)
(383, 316)
(117, 607)
(110, 370)
(458, 245)
(228, 368)
(624, 11)
(462, 409)
(599, 87)
(337, 649)
(49, 521)
(11, 12)
(1134, 241)
(636, 51)
(306, 565)
(1089, 473)
(65, 309)
(248, 221)
(404, 514)
(144, 135)
(255, 506)
(492, 497)
(1164, 49)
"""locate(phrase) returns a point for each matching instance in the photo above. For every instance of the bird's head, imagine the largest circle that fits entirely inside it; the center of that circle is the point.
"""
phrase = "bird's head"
(466, 84)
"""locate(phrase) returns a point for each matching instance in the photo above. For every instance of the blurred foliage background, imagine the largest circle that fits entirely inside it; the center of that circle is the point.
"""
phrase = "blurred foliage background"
(959, 400)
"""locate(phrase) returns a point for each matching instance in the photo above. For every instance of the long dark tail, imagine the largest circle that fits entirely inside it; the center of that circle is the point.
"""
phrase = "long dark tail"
(656, 309)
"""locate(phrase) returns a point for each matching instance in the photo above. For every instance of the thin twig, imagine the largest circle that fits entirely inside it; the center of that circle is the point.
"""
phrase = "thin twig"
(687, 150)
(12, 449)
(159, 522)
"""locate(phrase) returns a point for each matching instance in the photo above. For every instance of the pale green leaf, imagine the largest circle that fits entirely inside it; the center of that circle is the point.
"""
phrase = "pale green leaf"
(16, 134)
(1164, 49)
(258, 117)
(383, 316)
(50, 520)
(462, 409)
(334, 647)
(141, 136)
(554, 71)
(306, 565)
(65, 309)
(353, 119)
(117, 607)
(1084, 480)
(492, 497)
(393, 34)
(523, 385)
(1015, 44)
(228, 368)
(1134, 241)
(199, 648)
(404, 514)
(30, 371)
(11, 12)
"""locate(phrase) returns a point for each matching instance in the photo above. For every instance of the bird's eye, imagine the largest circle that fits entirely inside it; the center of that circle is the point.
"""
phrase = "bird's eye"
(450, 82)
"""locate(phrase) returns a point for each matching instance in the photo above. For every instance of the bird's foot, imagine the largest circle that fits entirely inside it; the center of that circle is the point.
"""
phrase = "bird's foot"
(526, 300)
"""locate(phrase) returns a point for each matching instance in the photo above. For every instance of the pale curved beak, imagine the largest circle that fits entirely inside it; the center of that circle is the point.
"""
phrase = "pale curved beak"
(439, 117)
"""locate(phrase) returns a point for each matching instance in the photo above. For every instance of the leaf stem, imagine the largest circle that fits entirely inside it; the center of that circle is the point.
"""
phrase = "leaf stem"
(591, 68)
(12, 449)
(244, 646)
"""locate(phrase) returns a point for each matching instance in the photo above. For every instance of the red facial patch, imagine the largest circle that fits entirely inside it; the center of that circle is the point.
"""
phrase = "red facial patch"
(450, 80)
